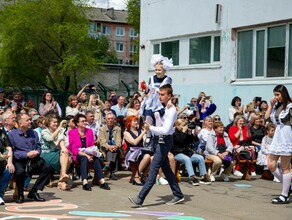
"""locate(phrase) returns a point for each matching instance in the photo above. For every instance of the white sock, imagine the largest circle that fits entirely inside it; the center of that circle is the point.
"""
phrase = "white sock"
(102, 181)
(278, 174)
(286, 184)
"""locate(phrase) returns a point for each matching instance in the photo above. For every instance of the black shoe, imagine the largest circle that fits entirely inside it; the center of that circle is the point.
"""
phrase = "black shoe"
(136, 201)
(113, 177)
(35, 196)
(86, 187)
(195, 182)
(136, 183)
(104, 186)
(20, 200)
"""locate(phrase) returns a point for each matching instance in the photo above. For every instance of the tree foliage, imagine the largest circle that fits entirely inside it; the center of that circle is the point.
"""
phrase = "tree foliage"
(46, 43)
(133, 7)
(133, 18)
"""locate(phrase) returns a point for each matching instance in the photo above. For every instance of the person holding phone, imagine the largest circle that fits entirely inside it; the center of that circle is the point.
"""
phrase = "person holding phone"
(236, 107)
(49, 105)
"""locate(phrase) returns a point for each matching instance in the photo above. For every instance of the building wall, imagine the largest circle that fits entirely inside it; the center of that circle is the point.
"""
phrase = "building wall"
(168, 20)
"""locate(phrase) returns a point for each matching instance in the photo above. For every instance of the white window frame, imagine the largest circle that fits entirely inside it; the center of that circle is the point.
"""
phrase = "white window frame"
(287, 55)
(133, 48)
(131, 31)
(118, 46)
(184, 46)
(120, 29)
(107, 30)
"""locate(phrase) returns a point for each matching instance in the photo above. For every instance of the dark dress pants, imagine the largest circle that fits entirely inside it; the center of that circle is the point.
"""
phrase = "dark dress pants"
(20, 174)
(160, 159)
(83, 162)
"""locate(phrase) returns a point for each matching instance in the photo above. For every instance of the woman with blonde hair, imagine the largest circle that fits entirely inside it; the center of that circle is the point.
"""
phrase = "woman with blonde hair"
(204, 133)
(54, 150)
(73, 107)
(239, 134)
(183, 138)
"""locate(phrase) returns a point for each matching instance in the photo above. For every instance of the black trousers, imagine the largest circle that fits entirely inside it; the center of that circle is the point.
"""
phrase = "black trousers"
(43, 168)
(83, 161)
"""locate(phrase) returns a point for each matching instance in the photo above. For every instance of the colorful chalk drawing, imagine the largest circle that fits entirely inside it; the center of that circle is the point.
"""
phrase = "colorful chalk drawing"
(98, 214)
(30, 210)
(243, 185)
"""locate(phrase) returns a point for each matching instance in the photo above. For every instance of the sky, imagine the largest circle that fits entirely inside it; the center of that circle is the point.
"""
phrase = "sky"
(116, 4)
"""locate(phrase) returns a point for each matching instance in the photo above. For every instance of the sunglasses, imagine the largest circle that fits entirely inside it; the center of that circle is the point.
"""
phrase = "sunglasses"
(217, 119)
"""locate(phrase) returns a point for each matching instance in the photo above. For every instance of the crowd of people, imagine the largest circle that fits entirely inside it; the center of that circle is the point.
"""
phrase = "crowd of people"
(96, 134)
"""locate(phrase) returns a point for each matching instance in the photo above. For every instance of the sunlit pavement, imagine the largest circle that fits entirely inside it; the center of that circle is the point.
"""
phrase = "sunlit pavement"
(237, 199)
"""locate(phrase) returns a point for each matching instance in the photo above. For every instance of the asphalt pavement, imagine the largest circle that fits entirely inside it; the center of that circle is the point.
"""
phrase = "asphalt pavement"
(237, 199)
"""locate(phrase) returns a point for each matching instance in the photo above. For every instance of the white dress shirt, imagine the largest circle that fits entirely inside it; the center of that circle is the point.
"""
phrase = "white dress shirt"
(167, 120)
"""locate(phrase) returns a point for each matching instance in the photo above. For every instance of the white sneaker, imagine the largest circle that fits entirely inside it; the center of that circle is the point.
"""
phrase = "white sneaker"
(162, 181)
(238, 173)
(276, 180)
(2, 201)
(224, 177)
(253, 174)
(212, 177)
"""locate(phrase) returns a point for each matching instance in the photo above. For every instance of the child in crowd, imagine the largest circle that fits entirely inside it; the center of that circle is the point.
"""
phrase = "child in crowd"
(263, 153)
(151, 105)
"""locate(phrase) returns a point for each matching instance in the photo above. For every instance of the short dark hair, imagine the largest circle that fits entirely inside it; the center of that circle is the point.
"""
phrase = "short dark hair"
(235, 99)
(76, 118)
(167, 88)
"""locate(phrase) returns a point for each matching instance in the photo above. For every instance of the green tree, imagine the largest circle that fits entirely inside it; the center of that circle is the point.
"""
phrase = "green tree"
(133, 7)
(46, 43)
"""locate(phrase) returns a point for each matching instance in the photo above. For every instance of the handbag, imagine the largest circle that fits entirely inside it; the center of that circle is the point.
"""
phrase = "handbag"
(33, 163)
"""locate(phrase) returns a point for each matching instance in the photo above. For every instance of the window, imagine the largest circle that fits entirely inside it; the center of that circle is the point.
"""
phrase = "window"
(119, 47)
(133, 33)
(263, 52)
(120, 31)
(92, 27)
(290, 52)
(133, 48)
(171, 50)
(156, 49)
(276, 51)
(120, 61)
(200, 50)
(106, 30)
(244, 54)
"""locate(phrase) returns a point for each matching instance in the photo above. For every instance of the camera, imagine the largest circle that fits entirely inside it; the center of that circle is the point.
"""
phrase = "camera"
(90, 88)
(192, 125)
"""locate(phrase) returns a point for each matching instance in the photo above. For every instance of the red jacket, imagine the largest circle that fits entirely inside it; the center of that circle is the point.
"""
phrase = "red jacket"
(233, 130)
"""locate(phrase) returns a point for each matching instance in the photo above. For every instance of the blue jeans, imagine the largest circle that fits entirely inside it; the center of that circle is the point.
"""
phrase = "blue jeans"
(6, 176)
(160, 159)
(188, 161)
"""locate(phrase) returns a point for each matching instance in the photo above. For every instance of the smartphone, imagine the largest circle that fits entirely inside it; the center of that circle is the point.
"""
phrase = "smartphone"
(192, 106)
